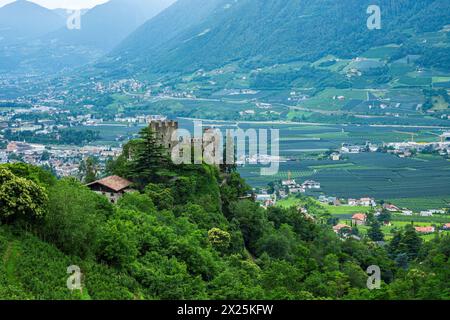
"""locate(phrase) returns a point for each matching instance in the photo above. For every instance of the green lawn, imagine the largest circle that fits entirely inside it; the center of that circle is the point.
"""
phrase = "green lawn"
(345, 210)
(288, 202)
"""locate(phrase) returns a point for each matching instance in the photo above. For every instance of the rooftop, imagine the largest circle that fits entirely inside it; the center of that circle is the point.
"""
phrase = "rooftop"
(115, 183)
(359, 216)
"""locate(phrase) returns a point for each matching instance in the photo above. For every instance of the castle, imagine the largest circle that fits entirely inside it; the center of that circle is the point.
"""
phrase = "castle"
(164, 131)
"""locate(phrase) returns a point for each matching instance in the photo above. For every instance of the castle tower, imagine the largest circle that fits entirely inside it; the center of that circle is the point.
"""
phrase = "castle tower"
(164, 129)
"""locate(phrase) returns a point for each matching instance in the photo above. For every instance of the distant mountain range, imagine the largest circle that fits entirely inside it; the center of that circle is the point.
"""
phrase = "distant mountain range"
(163, 36)
(23, 20)
(36, 39)
(194, 34)
(106, 25)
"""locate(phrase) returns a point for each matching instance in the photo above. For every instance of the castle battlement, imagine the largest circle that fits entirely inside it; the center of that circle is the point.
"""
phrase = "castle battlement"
(164, 129)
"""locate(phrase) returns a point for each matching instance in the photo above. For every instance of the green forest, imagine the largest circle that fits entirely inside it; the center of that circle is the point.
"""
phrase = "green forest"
(190, 232)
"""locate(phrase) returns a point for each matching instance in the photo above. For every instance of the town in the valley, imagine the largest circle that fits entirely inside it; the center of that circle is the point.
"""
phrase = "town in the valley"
(44, 136)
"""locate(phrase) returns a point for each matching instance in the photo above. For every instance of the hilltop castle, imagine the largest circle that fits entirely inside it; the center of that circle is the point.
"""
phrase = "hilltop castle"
(165, 129)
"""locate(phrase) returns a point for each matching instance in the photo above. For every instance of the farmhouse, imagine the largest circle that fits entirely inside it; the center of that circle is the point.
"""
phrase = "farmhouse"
(407, 212)
(391, 207)
(359, 219)
(113, 187)
(335, 156)
(311, 184)
(363, 202)
(425, 230)
(341, 226)
(350, 149)
(427, 213)
(289, 182)
(266, 200)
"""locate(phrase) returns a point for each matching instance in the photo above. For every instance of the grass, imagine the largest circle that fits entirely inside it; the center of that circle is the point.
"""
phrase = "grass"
(383, 53)
(441, 79)
(324, 100)
(288, 202)
(422, 203)
(345, 210)
(412, 81)
(9, 261)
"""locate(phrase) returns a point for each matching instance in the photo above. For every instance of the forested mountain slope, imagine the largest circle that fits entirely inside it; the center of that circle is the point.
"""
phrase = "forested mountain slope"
(265, 32)
(188, 234)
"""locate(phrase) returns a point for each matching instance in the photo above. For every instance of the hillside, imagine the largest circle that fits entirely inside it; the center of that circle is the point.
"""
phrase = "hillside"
(186, 233)
(258, 33)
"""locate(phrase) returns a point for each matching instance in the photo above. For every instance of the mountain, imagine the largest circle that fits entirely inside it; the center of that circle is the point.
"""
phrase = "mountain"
(266, 32)
(21, 20)
(106, 25)
(46, 45)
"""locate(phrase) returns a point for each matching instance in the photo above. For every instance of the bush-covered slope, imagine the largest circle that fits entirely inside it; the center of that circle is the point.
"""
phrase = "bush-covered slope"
(186, 233)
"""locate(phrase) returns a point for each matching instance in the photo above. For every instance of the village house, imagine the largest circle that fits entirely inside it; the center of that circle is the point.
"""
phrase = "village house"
(335, 156)
(425, 230)
(350, 149)
(391, 208)
(359, 219)
(311, 184)
(407, 212)
(427, 213)
(446, 226)
(363, 202)
(337, 228)
(266, 200)
(113, 187)
(291, 186)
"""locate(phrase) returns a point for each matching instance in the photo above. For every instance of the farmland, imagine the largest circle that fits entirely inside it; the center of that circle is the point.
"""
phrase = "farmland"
(344, 215)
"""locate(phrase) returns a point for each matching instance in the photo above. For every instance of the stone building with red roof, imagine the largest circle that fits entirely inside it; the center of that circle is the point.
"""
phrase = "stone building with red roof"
(113, 187)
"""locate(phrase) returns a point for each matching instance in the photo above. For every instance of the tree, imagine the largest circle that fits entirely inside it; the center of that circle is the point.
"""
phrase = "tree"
(411, 241)
(118, 243)
(45, 156)
(39, 175)
(74, 217)
(375, 233)
(148, 157)
(20, 198)
(385, 216)
(277, 243)
(406, 242)
(89, 170)
(252, 221)
(219, 239)
(160, 195)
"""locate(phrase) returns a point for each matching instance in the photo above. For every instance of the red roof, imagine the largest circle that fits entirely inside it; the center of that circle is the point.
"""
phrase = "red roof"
(340, 226)
(115, 183)
(425, 229)
(359, 216)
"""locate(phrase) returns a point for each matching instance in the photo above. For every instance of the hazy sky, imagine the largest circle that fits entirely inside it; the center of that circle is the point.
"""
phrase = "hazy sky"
(67, 4)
